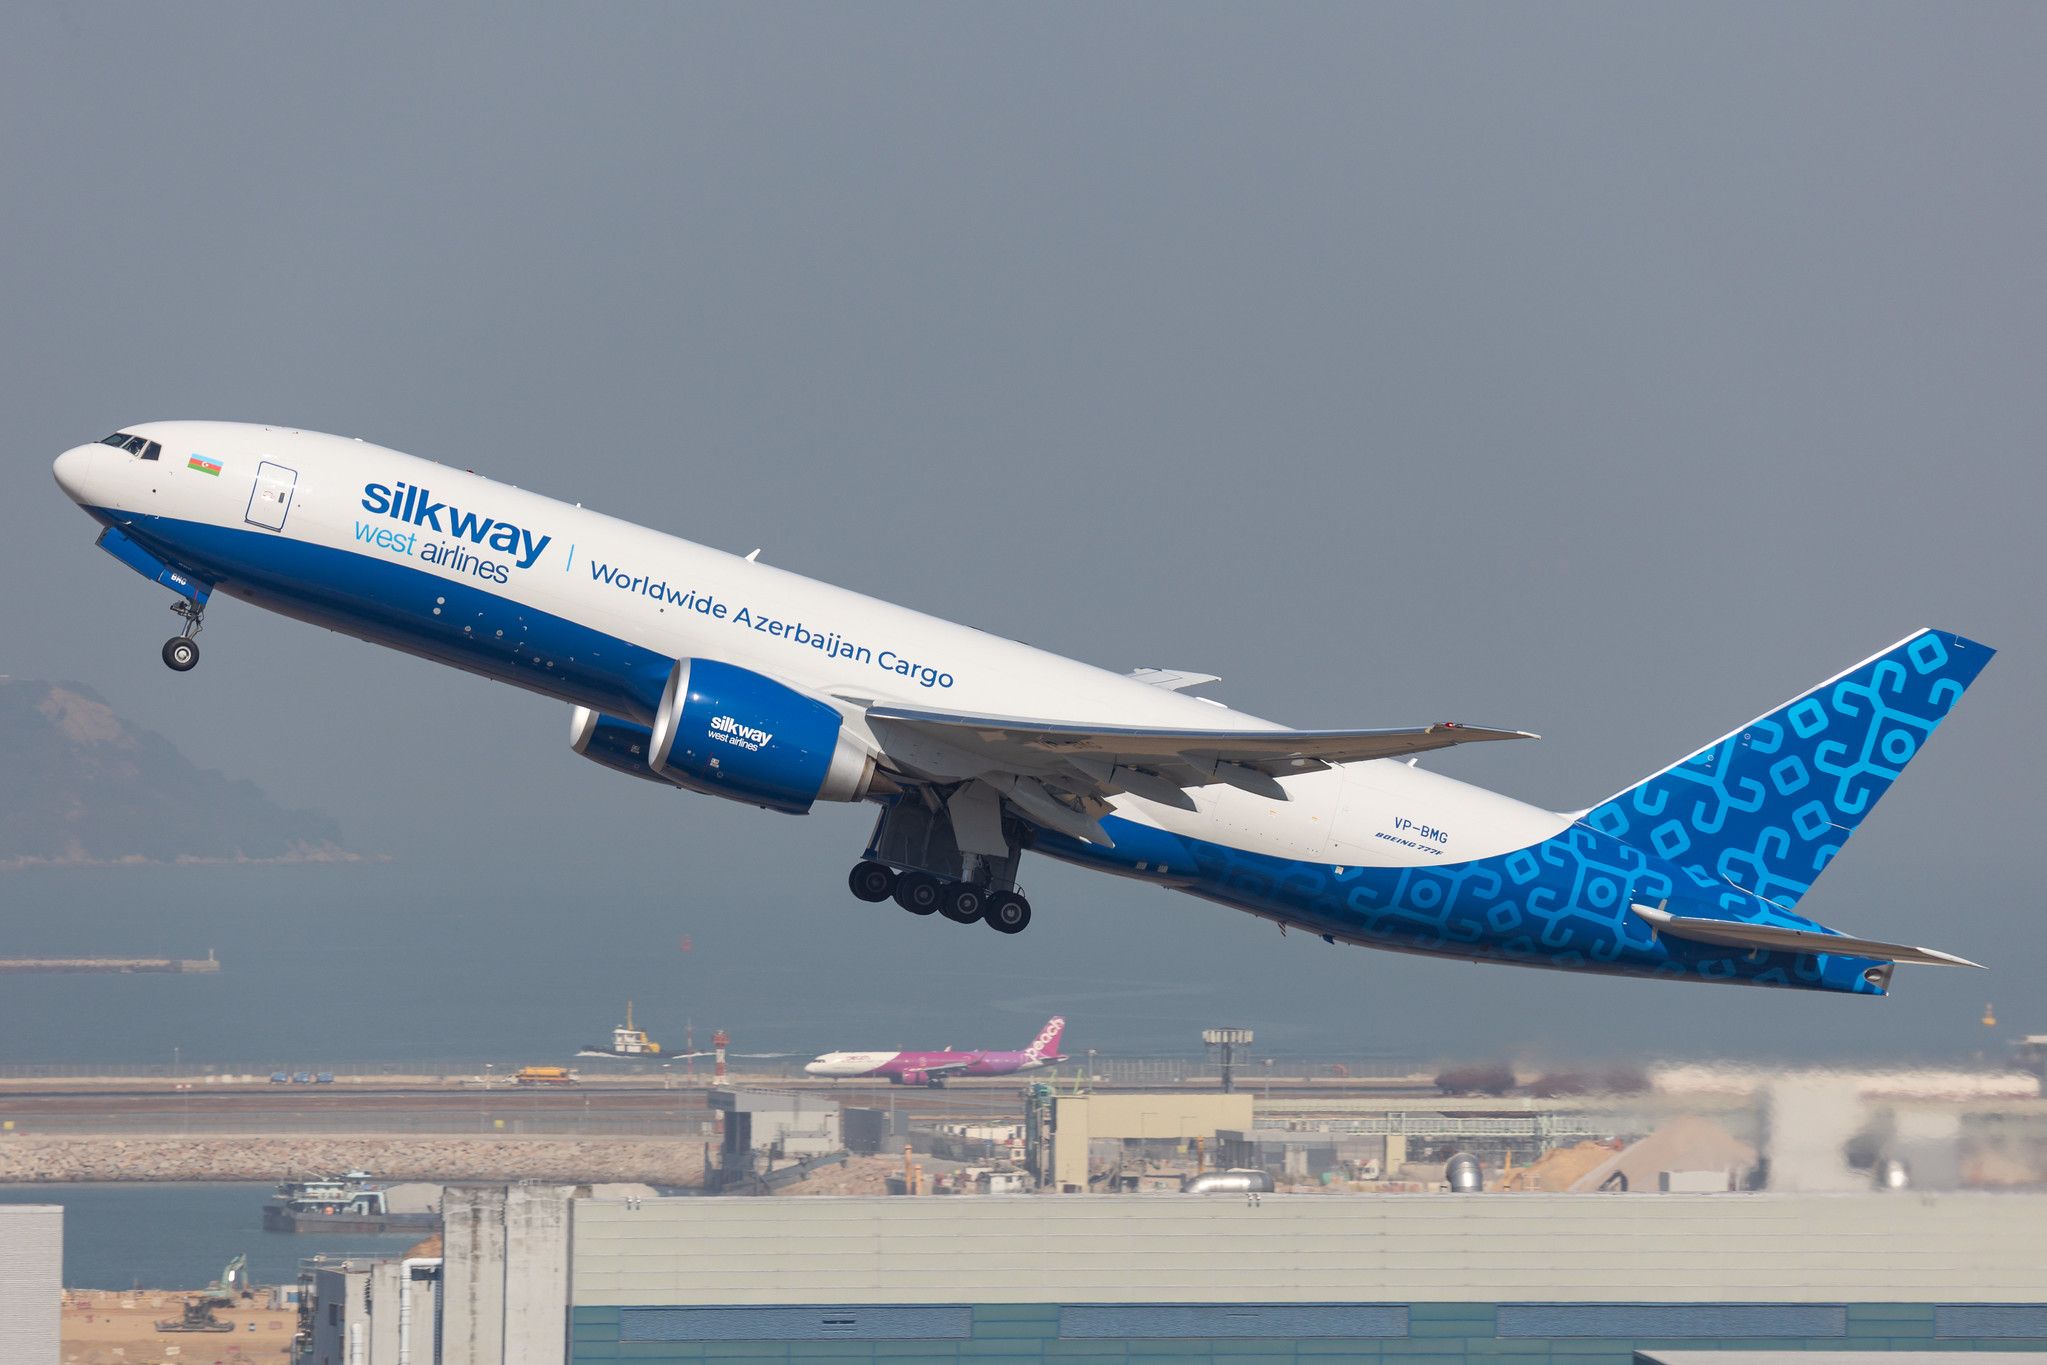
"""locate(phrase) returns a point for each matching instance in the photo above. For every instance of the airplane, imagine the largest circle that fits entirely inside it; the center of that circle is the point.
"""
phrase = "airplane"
(690, 667)
(934, 1068)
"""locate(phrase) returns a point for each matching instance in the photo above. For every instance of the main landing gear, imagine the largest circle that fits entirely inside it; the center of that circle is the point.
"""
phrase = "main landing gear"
(920, 893)
(181, 651)
(952, 854)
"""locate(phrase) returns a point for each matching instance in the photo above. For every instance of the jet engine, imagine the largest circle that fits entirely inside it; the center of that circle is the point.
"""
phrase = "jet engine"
(620, 745)
(734, 733)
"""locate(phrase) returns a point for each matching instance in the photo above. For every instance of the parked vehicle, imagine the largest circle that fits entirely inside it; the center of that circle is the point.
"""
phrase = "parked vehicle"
(544, 1075)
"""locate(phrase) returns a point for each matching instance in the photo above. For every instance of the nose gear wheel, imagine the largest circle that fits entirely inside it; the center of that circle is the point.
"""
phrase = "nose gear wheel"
(181, 651)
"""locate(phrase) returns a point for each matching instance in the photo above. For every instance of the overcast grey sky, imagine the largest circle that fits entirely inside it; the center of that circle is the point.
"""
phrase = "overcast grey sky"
(1613, 371)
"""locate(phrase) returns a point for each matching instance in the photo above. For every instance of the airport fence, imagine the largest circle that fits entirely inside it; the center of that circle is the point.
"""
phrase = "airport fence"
(1432, 1125)
(1249, 1074)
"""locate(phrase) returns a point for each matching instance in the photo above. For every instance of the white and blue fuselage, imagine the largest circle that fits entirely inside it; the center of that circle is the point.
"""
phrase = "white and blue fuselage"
(608, 616)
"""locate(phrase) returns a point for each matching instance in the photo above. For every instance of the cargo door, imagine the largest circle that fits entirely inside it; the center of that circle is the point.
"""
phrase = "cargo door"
(270, 499)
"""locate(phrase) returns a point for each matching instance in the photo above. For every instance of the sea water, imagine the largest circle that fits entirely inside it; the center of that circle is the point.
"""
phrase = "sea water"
(180, 1236)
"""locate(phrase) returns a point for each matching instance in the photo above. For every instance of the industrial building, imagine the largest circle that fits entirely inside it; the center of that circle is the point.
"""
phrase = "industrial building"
(31, 1282)
(771, 1137)
(539, 1274)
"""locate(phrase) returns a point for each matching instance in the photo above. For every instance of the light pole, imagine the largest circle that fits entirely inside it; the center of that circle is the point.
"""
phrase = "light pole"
(1228, 1040)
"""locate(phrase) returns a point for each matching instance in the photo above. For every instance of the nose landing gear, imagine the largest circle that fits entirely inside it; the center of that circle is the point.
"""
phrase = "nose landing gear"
(181, 651)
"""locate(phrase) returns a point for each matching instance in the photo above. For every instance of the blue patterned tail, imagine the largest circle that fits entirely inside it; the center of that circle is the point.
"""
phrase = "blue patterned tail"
(1768, 806)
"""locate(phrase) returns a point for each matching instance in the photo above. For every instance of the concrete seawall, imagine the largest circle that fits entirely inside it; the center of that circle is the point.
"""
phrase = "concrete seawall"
(109, 964)
(654, 1161)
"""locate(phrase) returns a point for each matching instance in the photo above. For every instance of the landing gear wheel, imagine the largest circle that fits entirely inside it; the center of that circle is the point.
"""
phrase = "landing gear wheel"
(871, 882)
(918, 892)
(1008, 913)
(962, 903)
(181, 653)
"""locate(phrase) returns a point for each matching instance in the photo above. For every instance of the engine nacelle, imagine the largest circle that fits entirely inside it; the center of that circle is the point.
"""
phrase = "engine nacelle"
(736, 734)
(620, 745)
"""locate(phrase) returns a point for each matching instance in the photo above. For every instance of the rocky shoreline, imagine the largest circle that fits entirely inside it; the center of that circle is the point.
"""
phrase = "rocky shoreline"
(653, 1161)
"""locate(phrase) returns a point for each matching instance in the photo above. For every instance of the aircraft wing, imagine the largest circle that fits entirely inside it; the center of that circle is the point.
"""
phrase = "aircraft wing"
(944, 1068)
(1743, 934)
(1171, 679)
(1052, 770)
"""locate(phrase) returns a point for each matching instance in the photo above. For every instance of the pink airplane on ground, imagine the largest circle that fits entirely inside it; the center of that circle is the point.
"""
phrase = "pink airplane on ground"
(932, 1068)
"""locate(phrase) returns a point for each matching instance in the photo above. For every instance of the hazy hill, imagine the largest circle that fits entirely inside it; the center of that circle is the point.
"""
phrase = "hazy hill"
(78, 786)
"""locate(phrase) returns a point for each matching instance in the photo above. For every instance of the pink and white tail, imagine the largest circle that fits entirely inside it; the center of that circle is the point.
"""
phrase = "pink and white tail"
(1046, 1044)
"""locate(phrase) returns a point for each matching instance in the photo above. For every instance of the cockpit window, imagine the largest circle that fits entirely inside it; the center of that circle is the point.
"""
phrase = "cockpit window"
(134, 445)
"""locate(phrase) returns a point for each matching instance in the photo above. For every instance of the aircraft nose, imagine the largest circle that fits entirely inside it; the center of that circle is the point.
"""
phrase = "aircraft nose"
(74, 471)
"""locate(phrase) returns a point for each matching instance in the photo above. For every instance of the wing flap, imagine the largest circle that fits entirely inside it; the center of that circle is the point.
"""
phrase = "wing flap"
(1276, 751)
(1777, 938)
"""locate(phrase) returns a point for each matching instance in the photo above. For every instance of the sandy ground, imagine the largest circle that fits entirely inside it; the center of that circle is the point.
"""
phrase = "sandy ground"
(108, 1327)
(660, 1161)
(865, 1175)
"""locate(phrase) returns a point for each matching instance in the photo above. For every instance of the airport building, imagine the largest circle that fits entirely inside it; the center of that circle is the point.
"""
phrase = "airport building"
(536, 1274)
(31, 1282)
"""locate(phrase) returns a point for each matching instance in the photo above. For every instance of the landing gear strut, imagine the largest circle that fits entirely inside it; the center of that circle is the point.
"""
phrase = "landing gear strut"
(181, 651)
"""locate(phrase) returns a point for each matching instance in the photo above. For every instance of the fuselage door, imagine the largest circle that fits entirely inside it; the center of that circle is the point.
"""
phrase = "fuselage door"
(270, 499)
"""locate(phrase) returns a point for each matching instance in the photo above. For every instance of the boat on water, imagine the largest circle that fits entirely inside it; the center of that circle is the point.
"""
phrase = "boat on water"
(355, 1202)
(628, 1043)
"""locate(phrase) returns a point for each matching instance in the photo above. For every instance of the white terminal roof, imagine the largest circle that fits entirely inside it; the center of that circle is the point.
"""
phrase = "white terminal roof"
(1076, 1249)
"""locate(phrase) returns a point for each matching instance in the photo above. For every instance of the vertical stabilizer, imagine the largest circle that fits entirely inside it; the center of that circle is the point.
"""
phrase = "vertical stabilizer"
(1046, 1044)
(1767, 807)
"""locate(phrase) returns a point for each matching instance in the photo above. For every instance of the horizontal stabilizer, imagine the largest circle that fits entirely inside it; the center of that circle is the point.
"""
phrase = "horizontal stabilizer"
(1776, 938)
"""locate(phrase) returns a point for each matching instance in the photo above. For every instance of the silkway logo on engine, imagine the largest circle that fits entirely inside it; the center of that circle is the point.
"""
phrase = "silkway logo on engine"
(744, 736)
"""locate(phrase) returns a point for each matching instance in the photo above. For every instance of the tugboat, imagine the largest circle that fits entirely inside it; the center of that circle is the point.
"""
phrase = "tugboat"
(627, 1043)
(348, 1203)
